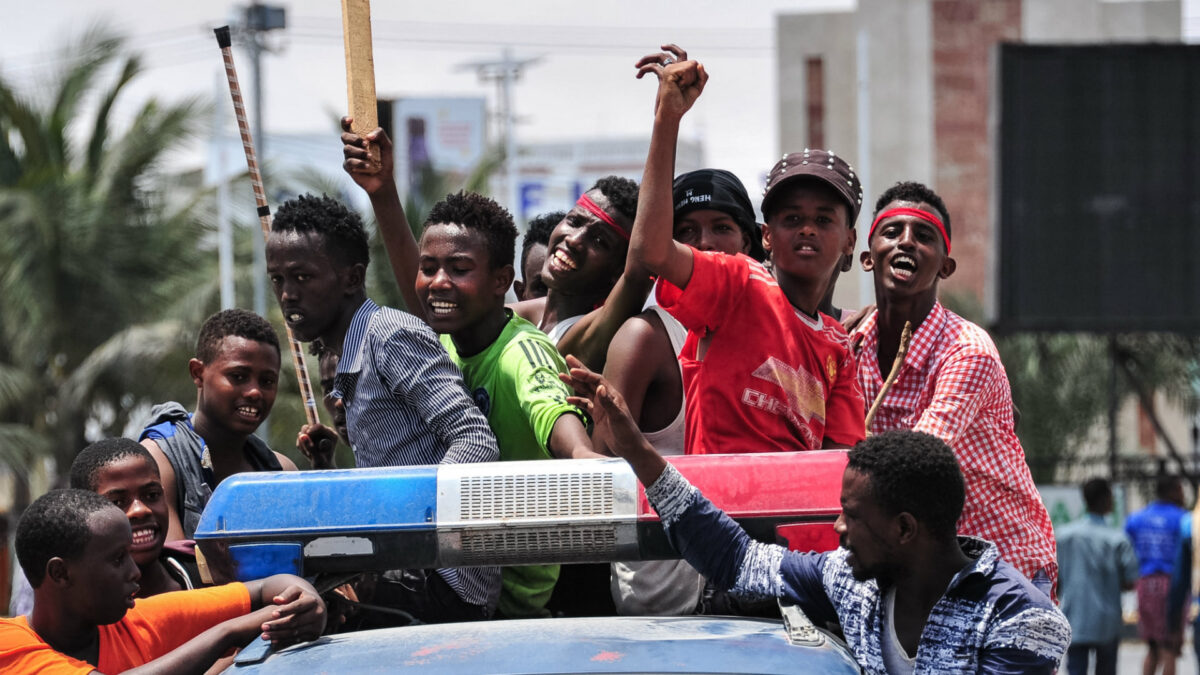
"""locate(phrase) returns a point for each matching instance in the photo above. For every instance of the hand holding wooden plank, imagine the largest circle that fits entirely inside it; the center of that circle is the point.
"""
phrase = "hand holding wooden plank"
(360, 72)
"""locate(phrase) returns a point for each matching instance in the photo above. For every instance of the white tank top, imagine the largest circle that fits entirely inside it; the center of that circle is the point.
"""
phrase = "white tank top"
(560, 329)
(669, 439)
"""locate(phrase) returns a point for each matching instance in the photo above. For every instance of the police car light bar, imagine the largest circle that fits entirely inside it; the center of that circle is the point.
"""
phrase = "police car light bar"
(504, 513)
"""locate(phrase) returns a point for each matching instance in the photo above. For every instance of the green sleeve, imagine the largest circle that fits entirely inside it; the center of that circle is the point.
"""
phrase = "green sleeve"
(540, 394)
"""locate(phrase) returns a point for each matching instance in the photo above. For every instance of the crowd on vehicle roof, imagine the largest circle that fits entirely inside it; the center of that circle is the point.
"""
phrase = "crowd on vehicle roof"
(652, 319)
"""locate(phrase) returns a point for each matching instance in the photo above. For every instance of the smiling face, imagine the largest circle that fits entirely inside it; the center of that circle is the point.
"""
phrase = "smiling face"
(104, 579)
(585, 254)
(907, 254)
(865, 530)
(808, 232)
(711, 230)
(456, 281)
(237, 388)
(132, 484)
(312, 289)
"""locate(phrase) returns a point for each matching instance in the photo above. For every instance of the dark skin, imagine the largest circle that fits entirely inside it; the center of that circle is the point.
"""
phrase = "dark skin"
(907, 257)
(896, 548)
(79, 594)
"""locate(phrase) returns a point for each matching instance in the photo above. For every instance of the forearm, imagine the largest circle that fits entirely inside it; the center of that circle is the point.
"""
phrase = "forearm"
(651, 245)
(201, 652)
(589, 339)
(400, 244)
(569, 439)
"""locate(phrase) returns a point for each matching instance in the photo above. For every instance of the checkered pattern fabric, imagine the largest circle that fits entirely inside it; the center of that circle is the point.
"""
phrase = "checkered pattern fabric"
(953, 386)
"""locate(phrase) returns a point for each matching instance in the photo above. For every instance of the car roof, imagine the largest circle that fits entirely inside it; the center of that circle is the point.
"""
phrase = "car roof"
(690, 644)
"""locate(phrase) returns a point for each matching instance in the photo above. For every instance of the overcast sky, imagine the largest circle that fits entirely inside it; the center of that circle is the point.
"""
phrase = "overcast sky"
(583, 87)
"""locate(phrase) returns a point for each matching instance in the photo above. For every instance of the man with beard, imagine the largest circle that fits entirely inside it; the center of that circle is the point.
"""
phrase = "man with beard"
(910, 596)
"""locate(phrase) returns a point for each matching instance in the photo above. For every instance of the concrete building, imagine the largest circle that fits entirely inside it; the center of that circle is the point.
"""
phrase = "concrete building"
(902, 88)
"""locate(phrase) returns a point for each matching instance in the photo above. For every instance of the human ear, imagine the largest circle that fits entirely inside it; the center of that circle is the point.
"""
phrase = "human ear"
(503, 278)
(865, 260)
(196, 370)
(518, 287)
(948, 267)
(355, 278)
(906, 528)
(57, 571)
(766, 237)
(851, 239)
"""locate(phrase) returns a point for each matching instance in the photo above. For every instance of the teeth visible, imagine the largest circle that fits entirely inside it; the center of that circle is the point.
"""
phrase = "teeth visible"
(564, 259)
(443, 307)
(143, 535)
(293, 317)
(247, 410)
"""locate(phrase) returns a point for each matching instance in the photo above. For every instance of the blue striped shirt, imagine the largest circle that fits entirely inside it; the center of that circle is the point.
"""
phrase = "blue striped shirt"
(406, 405)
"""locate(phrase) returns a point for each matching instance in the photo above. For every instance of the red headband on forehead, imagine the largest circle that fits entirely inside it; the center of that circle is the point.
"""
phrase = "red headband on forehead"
(587, 203)
(916, 213)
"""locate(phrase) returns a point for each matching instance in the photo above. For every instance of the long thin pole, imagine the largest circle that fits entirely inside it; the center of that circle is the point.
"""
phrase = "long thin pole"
(264, 211)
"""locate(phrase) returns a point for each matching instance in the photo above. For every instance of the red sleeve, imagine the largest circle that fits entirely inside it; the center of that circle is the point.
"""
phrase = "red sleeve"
(717, 284)
(22, 651)
(159, 624)
(845, 409)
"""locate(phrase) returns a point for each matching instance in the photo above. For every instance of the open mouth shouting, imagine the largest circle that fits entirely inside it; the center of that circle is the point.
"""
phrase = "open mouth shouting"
(562, 260)
(904, 267)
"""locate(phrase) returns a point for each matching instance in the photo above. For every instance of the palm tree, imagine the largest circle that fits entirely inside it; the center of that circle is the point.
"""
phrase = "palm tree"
(92, 252)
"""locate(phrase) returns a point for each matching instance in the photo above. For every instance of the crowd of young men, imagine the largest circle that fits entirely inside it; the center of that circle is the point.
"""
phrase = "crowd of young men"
(947, 561)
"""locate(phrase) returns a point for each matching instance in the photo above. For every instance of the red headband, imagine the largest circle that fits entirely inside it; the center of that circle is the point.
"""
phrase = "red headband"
(917, 213)
(590, 205)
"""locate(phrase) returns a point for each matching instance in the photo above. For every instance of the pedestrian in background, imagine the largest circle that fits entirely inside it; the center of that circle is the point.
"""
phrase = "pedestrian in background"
(1155, 532)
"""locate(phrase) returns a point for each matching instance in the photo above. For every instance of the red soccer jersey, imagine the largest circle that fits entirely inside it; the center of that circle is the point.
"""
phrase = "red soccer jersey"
(759, 376)
(953, 386)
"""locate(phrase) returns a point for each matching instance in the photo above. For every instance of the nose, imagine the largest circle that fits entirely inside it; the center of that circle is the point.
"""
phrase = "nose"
(839, 525)
(286, 290)
(440, 279)
(136, 510)
(133, 573)
(575, 237)
(707, 240)
(907, 237)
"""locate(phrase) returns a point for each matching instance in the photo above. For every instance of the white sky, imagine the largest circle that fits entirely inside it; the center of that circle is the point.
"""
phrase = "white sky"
(583, 87)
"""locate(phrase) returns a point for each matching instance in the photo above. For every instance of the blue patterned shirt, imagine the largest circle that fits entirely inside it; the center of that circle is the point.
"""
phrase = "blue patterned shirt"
(1154, 532)
(406, 405)
(991, 619)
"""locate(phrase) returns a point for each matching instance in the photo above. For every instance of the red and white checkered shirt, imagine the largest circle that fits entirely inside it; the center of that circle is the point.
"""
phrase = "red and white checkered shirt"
(953, 386)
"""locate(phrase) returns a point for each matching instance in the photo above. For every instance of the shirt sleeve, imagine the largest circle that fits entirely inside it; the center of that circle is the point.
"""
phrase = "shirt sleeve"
(542, 396)
(964, 383)
(845, 409)
(722, 551)
(716, 287)
(162, 623)
(1031, 640)
(420, 372)
(22, 651)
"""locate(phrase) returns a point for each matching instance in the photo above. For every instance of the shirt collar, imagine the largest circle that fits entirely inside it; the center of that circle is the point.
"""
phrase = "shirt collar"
(983, 552)
(351, 361)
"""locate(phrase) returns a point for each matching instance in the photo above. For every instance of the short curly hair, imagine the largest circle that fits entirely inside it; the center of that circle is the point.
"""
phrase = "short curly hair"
(476, 212)
(621, 192)
(56, 526)
(340, 228)
(912, 191)
(539, 232)
(236, 322)
(102, 453)
(913, 472)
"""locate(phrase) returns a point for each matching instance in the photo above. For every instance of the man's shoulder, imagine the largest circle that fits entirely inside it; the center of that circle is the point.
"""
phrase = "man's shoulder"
(966, 338)
(164, 418)
(522, 339)
(388, 321)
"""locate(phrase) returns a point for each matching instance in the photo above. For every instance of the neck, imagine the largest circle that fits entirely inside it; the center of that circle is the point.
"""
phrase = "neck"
(335, 338)
(219, 441)
(561, 305)
(925, 581)
(66, 633)
(803, 295)
(480, 335)
(895, 311)
(155, 579)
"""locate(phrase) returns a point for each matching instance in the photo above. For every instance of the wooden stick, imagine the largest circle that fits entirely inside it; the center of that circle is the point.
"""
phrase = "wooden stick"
(360, 71)
(905, 338)
(264, 211)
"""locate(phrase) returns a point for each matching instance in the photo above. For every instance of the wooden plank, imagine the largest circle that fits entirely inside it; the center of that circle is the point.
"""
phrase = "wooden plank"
(360, 69)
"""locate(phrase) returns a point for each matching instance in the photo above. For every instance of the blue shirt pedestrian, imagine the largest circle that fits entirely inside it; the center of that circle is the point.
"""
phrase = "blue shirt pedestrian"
(1154, 532)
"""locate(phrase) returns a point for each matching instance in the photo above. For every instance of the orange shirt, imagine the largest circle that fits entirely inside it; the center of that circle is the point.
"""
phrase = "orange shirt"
(154, 627)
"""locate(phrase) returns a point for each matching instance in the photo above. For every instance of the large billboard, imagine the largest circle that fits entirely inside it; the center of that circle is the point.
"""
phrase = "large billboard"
(445, 134)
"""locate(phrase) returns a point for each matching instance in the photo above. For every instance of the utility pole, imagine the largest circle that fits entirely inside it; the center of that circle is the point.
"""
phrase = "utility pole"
(505, 73)
(257, 21)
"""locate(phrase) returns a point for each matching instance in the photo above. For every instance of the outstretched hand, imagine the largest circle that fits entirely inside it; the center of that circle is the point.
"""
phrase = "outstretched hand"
(298, 614)
(680, 81)
(317, 443)
(612, 417)
(369, 176)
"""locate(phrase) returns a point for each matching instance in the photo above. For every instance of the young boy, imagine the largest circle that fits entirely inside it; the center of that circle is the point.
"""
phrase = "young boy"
(405, 401)
(236, 372)
(952, 384)
(123, 472)
(592, 285)
(763, 370)
(74, 546)
(533, 256)
(510, 367)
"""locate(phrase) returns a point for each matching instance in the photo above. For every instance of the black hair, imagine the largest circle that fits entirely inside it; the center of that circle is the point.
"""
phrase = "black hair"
(55, 526)
(106, 451)
(341, 229)
(236, 322)
(539, 232)
(912, 191)
(1165, 485)
(1097, 494)
(476, 212)
(621, 192)
(913, 472)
